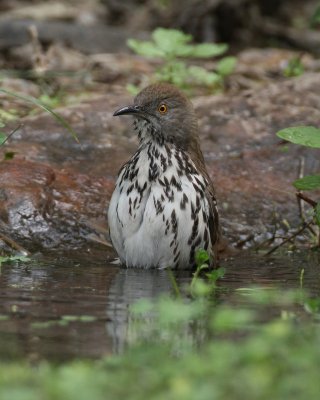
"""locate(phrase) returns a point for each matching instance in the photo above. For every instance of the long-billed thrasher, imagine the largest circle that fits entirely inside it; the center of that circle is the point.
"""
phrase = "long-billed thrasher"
(163, 208)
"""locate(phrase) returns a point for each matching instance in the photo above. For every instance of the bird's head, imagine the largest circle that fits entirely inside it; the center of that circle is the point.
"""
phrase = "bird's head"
(163, 113)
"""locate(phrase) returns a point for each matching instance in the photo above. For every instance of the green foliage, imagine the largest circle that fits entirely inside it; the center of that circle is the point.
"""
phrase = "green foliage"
(216, 274)
(312, 305)
(294, 67)
(13, 258)
(63, 321)
(3, 138)
(202, 257)
(132, 89)
(50, 101)
(315, 18)
(186, 350)
(226, 66)
(7, 116)
(198, 287)
(80, 318)
(305, 135)
(309, 182)
(170, 45)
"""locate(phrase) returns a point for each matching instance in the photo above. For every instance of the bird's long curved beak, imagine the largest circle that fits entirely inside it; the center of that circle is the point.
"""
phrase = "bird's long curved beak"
(127, 110)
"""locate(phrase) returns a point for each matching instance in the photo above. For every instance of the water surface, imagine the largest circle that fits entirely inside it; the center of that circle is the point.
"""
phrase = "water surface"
(77, 305)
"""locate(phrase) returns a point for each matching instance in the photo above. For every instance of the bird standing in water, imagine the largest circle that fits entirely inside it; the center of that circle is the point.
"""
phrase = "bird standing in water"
(163, 208)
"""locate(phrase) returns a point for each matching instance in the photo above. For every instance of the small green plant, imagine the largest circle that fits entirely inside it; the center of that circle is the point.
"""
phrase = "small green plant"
(306, 136)
(198, 286)
(294, 68)
(3, 136)
(6, 259)
(173, 47)
(65, 320)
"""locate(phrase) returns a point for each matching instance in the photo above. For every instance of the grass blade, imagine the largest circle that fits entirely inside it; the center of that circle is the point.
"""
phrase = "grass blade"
(42, 105)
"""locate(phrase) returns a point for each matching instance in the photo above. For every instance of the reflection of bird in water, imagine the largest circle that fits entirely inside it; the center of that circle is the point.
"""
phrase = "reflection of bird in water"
(129, 286)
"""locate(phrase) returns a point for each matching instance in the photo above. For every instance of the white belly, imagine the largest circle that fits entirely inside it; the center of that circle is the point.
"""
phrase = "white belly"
(153, 224)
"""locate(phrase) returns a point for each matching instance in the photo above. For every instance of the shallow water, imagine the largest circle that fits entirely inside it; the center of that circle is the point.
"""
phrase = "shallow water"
(77, 305)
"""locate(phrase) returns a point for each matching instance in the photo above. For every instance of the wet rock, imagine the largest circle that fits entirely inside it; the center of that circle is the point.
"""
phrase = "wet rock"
(43, 207)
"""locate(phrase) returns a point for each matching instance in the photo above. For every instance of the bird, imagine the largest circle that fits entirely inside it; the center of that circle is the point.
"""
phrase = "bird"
(163, 208)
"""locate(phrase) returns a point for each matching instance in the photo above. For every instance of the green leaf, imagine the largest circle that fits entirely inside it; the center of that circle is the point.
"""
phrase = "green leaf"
(40, 104)
(308, 182)
(172, 42)
(8, 116)
(227, 319)
(312, 305)
(226, 66)
(3, 138)
(43, 324)
(141, 307)
(173, 72)
(50, 101)
(304, 135)
(206, 50)
(14, 258)
(201, 76)
(317, 213)
(201, 257)
(87, 318)
(147, 49)
(162, 36)
(294, 67)
(200, 288)
(133, 89)
(70, 318)
(216, 274)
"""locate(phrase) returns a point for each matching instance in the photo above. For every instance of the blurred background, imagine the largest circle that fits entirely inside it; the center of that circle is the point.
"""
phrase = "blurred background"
(79, 38)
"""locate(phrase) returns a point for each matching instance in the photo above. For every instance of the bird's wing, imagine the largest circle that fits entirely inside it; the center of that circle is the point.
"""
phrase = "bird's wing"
(214, 215)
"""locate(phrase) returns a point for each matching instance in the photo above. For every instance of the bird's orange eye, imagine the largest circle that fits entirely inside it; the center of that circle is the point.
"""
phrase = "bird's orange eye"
(162, 109)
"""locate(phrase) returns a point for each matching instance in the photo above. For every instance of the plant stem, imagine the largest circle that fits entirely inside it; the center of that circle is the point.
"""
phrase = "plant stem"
(174, 283)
